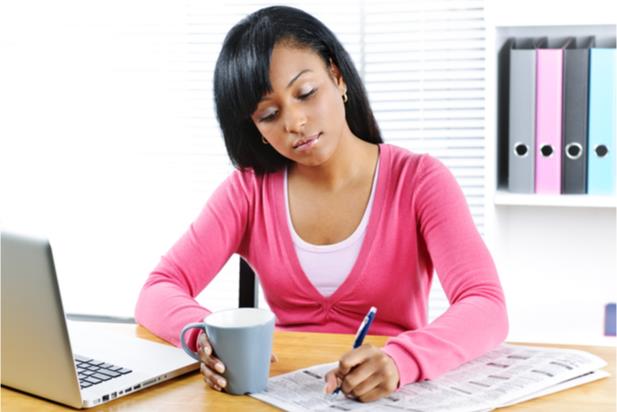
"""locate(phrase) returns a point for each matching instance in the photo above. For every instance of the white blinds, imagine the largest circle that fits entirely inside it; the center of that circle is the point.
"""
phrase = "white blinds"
(110, 120)
(424, 69)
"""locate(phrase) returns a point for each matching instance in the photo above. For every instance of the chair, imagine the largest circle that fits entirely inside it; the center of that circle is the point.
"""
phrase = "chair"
(248, 286)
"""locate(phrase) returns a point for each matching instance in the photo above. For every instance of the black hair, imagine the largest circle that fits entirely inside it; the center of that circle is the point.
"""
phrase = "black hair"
(241, 79)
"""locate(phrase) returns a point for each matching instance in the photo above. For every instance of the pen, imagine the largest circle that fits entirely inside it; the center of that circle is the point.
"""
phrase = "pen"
(361, 333)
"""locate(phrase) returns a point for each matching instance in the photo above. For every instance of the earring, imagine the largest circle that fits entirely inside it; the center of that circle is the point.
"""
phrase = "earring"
(345, 97)
(263, 140)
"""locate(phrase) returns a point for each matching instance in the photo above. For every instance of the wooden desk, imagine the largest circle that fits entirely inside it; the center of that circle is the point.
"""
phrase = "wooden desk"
(297, 350)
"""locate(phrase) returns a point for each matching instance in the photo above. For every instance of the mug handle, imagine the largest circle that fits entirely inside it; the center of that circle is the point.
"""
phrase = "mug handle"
(186, 348)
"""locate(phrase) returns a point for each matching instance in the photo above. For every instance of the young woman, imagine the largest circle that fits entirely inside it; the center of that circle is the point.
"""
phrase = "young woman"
(332, 220)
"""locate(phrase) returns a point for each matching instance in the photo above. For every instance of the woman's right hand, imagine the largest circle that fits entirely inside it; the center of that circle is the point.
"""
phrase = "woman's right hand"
(211, 367)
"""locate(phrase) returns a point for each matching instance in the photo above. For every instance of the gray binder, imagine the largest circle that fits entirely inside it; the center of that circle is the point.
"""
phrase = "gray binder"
(576, 103)
(522, 113)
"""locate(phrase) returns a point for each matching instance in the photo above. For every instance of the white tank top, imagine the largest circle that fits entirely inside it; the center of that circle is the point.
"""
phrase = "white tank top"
(327, 266)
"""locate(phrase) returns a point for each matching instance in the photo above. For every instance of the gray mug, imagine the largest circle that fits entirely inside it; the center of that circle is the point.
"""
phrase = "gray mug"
(242, 340)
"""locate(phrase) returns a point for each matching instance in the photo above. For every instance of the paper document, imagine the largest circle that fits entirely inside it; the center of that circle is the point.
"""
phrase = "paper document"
(504, 376)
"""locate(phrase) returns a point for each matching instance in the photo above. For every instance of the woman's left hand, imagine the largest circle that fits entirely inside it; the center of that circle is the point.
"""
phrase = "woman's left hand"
(366, 373)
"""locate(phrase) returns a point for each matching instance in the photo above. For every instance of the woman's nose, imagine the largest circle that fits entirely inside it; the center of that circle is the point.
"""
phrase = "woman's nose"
(295, 120)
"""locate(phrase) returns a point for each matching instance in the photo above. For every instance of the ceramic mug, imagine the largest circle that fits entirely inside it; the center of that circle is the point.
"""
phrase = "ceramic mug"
(242, 339)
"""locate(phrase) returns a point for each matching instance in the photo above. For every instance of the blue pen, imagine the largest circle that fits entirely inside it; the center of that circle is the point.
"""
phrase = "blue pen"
(361, 333)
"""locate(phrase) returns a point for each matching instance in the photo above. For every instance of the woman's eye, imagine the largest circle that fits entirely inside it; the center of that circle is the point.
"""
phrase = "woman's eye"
(306, 95)
(268, 117)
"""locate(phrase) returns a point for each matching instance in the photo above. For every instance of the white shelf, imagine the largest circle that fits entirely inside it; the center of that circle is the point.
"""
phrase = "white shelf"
(547, 248)
(503, 198)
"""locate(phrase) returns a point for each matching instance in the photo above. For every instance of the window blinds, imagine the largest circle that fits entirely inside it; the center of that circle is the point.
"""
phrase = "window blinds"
(424, 70)
(112, 107)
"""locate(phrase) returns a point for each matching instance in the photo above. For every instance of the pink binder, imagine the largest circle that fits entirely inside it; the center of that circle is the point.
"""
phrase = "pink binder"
(549, 103)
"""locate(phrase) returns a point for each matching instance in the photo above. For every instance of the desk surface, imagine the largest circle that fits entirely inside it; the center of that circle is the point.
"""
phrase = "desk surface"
(297, 350)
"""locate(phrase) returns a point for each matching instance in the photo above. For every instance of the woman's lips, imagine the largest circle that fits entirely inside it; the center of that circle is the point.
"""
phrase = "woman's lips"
(306, 143)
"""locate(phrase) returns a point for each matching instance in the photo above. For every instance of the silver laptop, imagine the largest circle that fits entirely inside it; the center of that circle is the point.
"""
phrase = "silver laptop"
(39, 358)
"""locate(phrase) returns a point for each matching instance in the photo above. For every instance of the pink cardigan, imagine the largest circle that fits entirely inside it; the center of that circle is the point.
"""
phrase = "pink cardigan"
(420, 222)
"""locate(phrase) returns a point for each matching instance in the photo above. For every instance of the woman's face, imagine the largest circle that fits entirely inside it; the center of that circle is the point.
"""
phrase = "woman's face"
(303, 118)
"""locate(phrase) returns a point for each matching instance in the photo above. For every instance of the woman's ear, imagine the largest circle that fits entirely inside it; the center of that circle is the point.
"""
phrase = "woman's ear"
(337, 76)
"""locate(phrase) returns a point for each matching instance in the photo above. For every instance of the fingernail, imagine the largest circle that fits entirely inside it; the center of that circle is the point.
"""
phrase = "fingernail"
(219, 367)
(221, 382)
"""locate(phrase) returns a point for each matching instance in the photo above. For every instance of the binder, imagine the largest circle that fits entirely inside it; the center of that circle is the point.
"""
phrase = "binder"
(549, 106)
(521, 114)
(610, 320)
(576, 102)
(602, 106)
(503, 108)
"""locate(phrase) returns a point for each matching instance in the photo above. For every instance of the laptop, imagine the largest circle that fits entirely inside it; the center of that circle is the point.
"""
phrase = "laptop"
(73, 366)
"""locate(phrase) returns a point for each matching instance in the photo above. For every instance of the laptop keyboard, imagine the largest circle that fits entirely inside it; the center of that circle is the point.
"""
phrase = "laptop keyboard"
(92, 372)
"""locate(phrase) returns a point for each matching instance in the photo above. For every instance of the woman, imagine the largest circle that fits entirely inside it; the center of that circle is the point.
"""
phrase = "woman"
(332, 220)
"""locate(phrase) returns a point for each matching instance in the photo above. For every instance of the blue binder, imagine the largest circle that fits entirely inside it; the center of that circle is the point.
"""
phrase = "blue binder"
(610, 323)
(602, 106)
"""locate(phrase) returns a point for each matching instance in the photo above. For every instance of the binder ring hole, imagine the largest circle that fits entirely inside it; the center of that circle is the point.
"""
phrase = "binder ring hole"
(601, 150)
(546, 150)
(521, 149)
(574, 151)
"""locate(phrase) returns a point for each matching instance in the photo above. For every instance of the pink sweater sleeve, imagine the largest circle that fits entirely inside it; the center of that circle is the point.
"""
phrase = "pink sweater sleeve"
(476, 320)
(166, 302)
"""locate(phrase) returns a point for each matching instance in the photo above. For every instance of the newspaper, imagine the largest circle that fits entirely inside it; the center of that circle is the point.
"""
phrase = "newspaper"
(505, 376)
